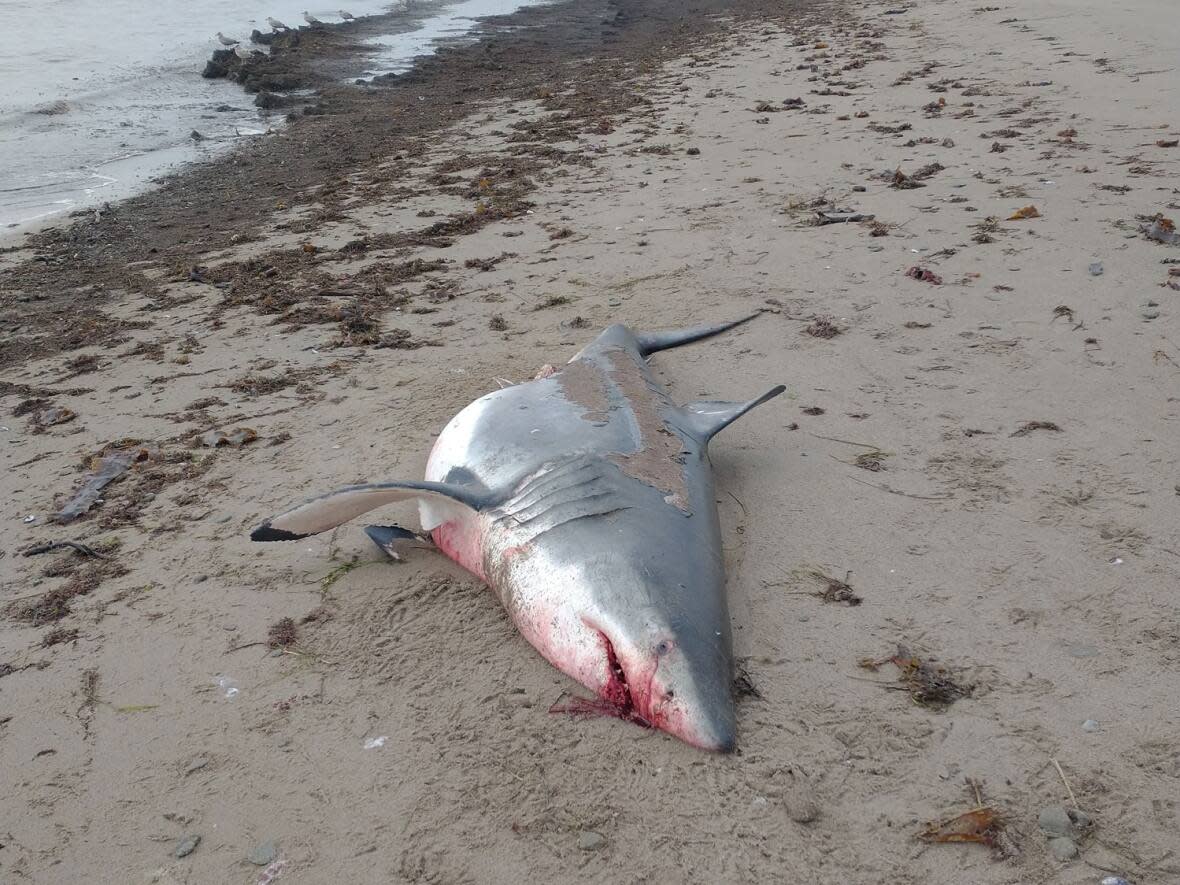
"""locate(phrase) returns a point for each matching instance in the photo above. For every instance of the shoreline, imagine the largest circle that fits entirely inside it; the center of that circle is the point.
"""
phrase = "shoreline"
(973, 466)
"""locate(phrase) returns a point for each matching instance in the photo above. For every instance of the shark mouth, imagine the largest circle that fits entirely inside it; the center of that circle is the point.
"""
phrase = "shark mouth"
(614, 698)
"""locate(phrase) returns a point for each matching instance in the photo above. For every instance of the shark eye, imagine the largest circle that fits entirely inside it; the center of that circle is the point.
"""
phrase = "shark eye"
(664, 646)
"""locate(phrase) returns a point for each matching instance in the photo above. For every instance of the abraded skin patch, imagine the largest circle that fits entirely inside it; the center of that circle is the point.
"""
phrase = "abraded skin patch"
(659, 460)
(583, 384)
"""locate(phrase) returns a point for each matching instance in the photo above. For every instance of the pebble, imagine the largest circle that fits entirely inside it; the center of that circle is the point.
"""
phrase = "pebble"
(1090, 725)
(196, 765)
(589, 840)
(859, 188)
(1055, 820)
(800, 807)
(1150, 311)
(1114, 880)
(187, 845)
(263, 854)
(1063, 848)
(1096, 269)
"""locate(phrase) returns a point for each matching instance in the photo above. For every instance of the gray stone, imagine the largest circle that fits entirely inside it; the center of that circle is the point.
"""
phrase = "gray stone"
(1096, 269)
(588, 840)
(1054, 820)
(264, 853)
(196, 765)
(1090, 725)
(1063, 848)
(187, 845)
(801, 808)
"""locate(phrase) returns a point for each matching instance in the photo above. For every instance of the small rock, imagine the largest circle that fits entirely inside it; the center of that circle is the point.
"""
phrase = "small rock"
(859, 188)
(196, 765)
(801, 808)
(1096, 269)
(588, 840)
(1063, 848)
(187, 845)
(693, 151)
(1090, 725)
(263, 854)
(1054, 820)
(1114, 880)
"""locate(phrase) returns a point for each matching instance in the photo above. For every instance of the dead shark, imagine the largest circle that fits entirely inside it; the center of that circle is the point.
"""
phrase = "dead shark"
(585, 500)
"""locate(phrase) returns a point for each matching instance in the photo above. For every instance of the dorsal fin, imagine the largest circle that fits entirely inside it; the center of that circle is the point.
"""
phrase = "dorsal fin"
(707, 417)
(651, 342)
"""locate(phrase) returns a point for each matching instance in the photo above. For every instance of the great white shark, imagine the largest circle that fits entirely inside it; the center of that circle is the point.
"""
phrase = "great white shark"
(584, 498)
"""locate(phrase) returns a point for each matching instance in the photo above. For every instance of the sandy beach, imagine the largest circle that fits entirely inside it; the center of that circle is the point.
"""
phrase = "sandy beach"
(952, 547)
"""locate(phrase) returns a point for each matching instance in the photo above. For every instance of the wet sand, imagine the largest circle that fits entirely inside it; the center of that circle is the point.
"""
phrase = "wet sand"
(976, 461)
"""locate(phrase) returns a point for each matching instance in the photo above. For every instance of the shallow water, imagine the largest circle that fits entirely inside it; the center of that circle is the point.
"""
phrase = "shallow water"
(101, 95)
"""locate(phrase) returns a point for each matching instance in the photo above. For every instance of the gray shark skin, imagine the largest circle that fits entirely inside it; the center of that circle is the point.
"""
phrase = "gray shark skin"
(585, 500)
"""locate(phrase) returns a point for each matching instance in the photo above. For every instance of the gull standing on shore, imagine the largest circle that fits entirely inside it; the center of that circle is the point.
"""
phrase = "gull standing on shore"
(226, 41)
(347, 16)
(276, 25)
(311, 19)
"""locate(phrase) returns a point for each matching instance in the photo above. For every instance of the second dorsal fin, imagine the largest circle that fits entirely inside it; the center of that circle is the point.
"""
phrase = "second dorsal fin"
(707, 417)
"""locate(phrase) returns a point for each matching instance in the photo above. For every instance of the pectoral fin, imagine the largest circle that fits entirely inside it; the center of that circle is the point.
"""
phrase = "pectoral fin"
(393, 540)
(338, 507)
(707, 417)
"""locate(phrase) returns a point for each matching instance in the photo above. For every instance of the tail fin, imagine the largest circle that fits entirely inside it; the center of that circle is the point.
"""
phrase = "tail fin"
(651, 342)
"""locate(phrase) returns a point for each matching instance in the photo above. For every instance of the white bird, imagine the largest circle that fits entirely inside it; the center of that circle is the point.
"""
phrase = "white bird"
(347, 16)
(226, 41)
(311, 19)
(276, 25)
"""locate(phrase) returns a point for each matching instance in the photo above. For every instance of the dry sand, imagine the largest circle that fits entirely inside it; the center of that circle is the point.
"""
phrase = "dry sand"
(1037, 564)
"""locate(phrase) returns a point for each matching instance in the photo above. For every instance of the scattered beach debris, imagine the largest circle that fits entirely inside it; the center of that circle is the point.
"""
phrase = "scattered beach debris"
(822, 218)
(497, 323)
(928, 684)
(835, 590)
(59, 635)
(1029, 426)
(924, 274)
(282, 633)
(76, 546)
(822, 327)
(239, 436)
(982, 825)
(743, 684)
(56, 604)
(873, 460)
(1162, 230)
(901, 181)
(272, 872)
(106, 469)
(46, 414)
(552, 301)
(1025, 212)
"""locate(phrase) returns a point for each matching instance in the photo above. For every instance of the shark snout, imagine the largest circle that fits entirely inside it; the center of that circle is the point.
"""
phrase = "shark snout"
(692, 703)
(677, 686)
